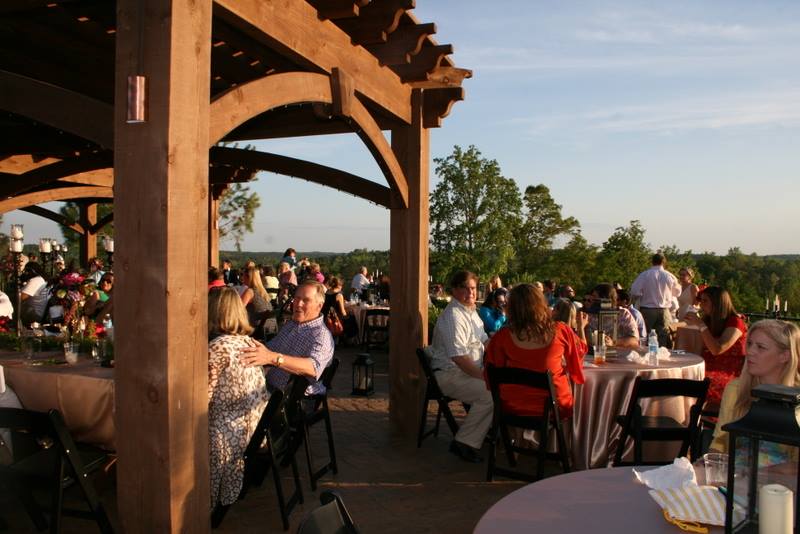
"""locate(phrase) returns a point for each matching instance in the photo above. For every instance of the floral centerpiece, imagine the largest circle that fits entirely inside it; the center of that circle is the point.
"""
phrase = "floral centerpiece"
(69, 293)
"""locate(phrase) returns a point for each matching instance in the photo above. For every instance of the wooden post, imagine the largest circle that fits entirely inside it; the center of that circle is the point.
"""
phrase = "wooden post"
(213, 224)
(409, 272)
(88, 240)
(161, 241)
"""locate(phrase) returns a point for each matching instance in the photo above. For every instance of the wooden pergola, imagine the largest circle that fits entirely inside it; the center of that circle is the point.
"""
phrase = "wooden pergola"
(207, 72)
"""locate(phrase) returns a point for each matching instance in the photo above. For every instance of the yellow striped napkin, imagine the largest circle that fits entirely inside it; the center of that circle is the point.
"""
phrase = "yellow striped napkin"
(701, 504)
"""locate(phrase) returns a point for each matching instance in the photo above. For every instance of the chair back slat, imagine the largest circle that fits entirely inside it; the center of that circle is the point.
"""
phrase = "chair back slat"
(670, 387)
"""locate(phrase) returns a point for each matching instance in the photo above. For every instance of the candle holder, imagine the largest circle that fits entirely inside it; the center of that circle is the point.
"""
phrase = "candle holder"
(108, 246)
(16, 252)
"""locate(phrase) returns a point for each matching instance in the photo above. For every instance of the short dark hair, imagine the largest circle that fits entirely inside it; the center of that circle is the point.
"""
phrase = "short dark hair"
(606, 291)
(623, 295)
(658, 258)
(214, 274)
(461, 277)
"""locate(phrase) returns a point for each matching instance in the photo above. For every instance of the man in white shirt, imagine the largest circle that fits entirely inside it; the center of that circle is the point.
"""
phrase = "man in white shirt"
(457, 361)
(34, 295)
(360, 281)
(654, 289)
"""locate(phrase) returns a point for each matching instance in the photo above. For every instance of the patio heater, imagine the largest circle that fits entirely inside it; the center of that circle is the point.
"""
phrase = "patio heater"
(363, 375)
(16, 246)
(772, 420)
(108, 246)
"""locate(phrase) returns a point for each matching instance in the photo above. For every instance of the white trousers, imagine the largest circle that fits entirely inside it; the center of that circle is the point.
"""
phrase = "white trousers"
(456, 384)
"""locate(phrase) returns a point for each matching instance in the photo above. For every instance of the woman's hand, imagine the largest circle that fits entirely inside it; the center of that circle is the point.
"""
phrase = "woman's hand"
(692, 319)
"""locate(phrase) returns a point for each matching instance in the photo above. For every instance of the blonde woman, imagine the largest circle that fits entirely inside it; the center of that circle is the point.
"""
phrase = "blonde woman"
(688, 295)
(255, 298)
(494, 283)
(236, 394)
(773, 348)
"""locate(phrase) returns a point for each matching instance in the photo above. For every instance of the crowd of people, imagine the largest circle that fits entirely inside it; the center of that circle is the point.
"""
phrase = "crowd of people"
(542, 327)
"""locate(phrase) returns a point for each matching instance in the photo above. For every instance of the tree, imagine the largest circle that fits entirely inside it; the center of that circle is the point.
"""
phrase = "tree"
(71, 211)
(474, 212)
(624, 255)
(237, 210)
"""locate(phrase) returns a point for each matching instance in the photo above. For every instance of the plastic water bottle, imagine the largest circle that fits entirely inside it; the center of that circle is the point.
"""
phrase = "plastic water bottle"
(652, 347)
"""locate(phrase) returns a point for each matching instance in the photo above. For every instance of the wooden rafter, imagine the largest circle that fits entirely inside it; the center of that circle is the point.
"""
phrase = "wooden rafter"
(277, 26)
(55, 217)
(401, 44)
(436, 104)
(50, 173)
(425, 62)
(66, 110)
(338, 9)
(52, 195)
(375, 21)
(306, 170)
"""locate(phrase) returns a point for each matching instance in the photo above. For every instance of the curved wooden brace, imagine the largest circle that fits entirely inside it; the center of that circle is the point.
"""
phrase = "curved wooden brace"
(51, 195)
(312, 172)
(53, 172)
(249, 100)
(436, 104)
(96, 227)
(55, 217)
(66, 110)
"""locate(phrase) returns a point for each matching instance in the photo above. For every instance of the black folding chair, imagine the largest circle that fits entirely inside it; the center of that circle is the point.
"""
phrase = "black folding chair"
(330, 518)
(432, 392)
(660, 428)
(308, 410)
(549, 420)
(269, 448)
(376, 328)
(45, 456)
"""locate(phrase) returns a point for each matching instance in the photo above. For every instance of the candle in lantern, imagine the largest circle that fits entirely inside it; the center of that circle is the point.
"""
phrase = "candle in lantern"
(785, 306)
(44, 245)
(109, 244)
(766, 306)
(775, 507)
(16, 245)
(776, 303)
(16, 231)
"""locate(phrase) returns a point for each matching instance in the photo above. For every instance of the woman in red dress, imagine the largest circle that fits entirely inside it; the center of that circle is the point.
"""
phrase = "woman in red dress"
(724, 335)
(532, 340)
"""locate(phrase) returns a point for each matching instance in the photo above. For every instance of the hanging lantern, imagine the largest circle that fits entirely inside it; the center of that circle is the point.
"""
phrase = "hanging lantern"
(363, 375)
(772, 421)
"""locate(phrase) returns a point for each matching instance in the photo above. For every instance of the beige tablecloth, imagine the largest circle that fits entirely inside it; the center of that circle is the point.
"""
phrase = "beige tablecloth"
(605, 395)
(359, 312)
(596, 501)
(83, 393)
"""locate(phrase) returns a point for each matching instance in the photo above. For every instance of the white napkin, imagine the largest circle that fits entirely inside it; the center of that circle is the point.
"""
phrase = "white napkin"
(664, 354)
(679, 474)
(635, 357)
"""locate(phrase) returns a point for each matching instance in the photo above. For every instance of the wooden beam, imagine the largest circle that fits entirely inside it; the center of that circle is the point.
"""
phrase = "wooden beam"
(437, 104)
(375, 21)
(161, 235)
(66, 110)
(251, 99)
(342, 93)
(23, 163)
(338, 9)
(213, 231)
(51, 173)
(409, 261)
(242, 103)
(103, 177)
(306, 170)
(294, 29)
(401, 44)
(442, 77)
(88, 240)
(55, 217)
(52, 195)
(422, 64)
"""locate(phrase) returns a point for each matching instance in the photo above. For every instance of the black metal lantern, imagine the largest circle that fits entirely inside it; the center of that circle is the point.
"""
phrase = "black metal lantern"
(363, 375)
(773, 418)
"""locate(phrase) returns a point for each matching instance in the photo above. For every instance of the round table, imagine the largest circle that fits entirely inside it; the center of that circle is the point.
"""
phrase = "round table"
(598, 500)
(606, 394)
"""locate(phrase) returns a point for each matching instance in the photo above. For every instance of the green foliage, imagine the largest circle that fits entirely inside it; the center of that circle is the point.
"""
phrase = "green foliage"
(623, 256)
(71, 212)
(237, 210)
(542, 225)
(474, 212)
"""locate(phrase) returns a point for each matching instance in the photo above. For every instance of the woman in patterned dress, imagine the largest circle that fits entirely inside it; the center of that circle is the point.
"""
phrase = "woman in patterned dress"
(237, 394)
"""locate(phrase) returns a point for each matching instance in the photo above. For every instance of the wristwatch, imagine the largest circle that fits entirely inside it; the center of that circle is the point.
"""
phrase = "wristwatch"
(279, 361)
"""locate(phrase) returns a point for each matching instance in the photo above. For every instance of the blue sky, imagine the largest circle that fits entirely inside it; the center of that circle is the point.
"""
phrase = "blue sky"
(684, 115)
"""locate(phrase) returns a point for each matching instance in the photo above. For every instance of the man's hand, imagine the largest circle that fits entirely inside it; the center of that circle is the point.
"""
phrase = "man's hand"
(258, 355)
(466, 364)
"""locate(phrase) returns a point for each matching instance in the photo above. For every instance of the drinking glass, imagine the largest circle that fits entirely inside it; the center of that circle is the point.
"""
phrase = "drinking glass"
(71, 352)
(716, 466)
(600, 351)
